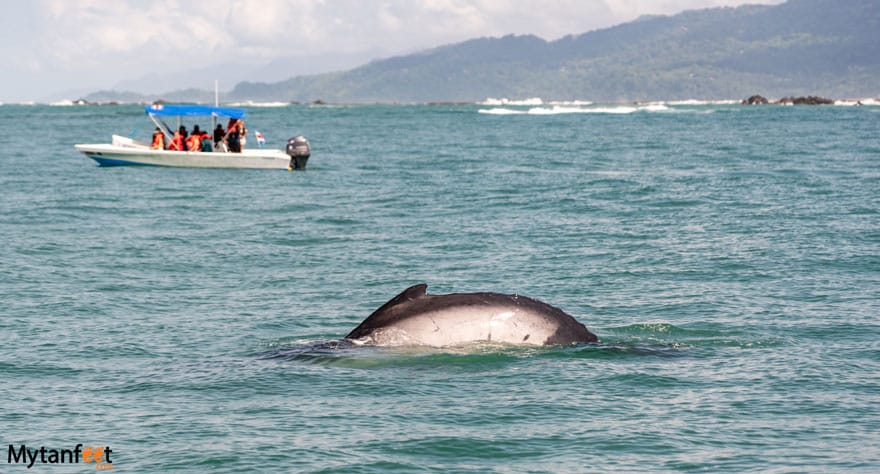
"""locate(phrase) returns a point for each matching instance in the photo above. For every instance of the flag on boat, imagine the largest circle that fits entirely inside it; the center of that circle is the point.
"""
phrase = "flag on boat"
(260, 140)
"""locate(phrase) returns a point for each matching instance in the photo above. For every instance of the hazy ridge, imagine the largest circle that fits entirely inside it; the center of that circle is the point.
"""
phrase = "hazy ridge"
(800, 47)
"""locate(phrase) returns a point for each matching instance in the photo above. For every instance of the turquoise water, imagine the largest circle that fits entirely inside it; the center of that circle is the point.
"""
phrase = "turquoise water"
(728, 257)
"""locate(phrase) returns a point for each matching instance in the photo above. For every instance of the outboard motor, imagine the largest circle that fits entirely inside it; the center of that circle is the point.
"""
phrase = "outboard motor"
(299, 150)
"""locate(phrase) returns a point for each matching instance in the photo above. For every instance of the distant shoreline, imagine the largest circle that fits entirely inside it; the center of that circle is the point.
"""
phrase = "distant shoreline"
(501, 102)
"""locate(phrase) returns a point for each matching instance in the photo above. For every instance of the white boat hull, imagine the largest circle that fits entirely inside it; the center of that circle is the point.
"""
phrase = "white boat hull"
(126, 152)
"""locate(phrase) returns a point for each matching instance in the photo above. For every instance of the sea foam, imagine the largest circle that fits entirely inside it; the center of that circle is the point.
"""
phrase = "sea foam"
(250, 103)
(855, 102)
(559, 110)
(506, 101)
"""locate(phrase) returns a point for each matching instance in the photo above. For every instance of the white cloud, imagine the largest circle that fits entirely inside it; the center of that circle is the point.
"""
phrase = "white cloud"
(85, 32)
(388, 20)
(267, 22)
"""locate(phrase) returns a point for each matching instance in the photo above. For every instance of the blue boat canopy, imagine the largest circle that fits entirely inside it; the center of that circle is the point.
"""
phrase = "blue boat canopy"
(194, 110)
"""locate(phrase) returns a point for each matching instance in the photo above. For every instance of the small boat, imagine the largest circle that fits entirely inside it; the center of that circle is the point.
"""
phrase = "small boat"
(124, 151)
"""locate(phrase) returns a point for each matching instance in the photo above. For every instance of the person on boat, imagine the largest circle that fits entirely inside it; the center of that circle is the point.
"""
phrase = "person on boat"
(178, 141)
(242, 134)
(233, 135)
(194, 142)
(219, 136)
(158, 140)
(207, 144)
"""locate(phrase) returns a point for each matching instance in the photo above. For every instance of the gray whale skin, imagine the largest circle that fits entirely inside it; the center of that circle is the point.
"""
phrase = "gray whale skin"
(416, 318)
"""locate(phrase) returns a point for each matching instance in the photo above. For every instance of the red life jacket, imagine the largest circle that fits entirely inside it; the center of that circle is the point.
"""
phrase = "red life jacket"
(158, 141)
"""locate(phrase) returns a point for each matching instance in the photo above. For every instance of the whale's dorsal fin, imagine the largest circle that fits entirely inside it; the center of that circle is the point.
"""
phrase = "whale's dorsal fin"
(381, 316)
(409, 294)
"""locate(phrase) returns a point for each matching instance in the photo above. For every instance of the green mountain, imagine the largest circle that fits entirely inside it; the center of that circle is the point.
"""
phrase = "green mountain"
(820, 47)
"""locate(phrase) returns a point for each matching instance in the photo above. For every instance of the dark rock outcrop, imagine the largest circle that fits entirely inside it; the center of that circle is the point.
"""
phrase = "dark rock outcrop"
(809, 100)
(755, 99)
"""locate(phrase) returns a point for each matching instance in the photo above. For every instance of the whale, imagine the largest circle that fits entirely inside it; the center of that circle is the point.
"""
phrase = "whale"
(415, 318)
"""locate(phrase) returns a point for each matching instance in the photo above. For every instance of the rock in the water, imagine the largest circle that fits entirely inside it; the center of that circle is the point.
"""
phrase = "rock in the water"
(755, 99)
(809, 100)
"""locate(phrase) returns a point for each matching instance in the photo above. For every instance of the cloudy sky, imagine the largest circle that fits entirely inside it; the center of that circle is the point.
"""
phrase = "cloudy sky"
(67, 48)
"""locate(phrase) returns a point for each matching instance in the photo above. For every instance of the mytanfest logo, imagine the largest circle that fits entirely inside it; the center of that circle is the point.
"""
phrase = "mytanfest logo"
(99, 455)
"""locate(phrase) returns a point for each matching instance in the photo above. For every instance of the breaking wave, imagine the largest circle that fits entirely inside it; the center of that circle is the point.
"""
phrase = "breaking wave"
(537, 106)
(505, 101)
(559, 109)
(700, 102)
(250, 103)
(856, 102)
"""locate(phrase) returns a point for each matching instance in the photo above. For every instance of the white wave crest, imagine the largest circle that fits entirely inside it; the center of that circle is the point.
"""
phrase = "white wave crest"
(654, 108)
(855, 102)
(505, 101)
(559, 110)
(701, 102)
(571, 102)
(501, 111)
(534, 101)
(250, 103)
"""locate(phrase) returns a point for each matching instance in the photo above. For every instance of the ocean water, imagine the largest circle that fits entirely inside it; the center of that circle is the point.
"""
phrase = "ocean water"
(728, 257)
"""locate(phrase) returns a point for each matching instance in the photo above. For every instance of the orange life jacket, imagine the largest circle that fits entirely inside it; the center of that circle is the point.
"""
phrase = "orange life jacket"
(158, 141)
(194, 143)
(176, 142)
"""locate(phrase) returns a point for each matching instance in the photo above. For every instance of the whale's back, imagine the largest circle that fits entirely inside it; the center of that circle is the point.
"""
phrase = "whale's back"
(415, 318)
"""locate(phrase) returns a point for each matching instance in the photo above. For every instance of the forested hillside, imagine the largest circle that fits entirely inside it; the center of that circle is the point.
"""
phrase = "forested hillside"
(825, 47)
